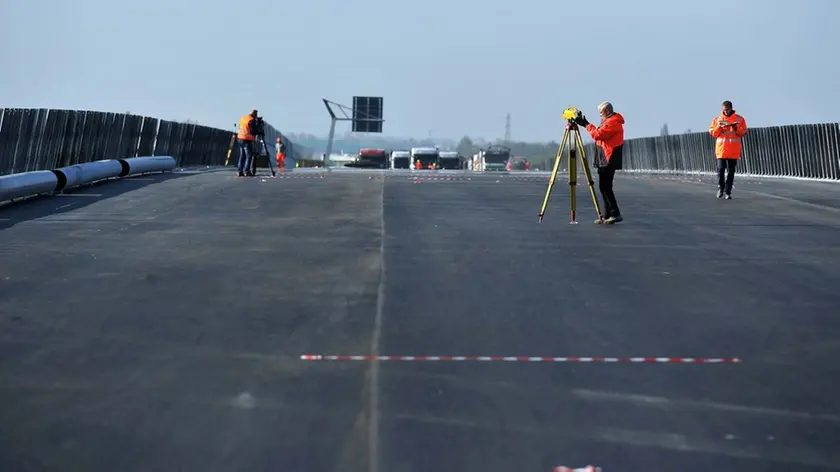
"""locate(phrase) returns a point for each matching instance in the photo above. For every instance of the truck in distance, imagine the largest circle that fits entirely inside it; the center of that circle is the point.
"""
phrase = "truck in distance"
(424, 158)
(518, 163)
(401, 160)
(370, 159)
(494, 158)
(450, 160)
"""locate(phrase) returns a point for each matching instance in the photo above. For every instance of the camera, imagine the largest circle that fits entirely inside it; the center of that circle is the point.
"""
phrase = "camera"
(571, 114)
(259, 126)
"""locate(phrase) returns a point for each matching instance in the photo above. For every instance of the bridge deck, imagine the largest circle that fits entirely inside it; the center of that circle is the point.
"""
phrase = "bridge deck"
(158, 322)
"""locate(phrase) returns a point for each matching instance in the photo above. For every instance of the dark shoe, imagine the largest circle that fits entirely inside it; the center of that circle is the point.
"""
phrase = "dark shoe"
(242, 174)
(728, 197)
(613, 219)
(720, 193)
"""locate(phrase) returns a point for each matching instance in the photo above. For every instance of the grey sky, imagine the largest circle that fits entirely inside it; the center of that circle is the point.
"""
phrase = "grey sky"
(454, 67)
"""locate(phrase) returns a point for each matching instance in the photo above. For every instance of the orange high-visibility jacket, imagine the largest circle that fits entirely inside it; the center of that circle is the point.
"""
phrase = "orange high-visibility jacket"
(609, 135)
(244, 131)
(728, 131)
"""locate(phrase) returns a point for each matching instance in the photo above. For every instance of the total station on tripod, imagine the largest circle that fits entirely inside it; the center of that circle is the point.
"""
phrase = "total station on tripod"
(260, 149)
(572, 144)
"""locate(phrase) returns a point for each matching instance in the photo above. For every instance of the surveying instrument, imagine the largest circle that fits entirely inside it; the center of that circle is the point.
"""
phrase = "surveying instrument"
(260, 149)
(572, 133)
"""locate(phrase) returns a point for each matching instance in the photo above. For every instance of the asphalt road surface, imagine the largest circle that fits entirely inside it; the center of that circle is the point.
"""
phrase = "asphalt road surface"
(157, 323)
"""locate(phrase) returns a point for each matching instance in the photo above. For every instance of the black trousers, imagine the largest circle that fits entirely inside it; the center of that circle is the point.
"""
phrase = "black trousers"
(606, 175)
(727, 167)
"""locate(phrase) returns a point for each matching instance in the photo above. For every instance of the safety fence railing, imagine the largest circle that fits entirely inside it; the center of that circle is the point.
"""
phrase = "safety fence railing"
(45, 139)
(800, 151)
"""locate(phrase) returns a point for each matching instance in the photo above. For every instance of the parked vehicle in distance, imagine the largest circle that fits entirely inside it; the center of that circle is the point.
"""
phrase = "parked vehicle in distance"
(424, 158)
(401, 160)
(450, 160)
(370, 159)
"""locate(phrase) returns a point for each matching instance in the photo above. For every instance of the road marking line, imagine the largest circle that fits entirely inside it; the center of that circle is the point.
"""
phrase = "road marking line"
(636, 399)
(373, 423)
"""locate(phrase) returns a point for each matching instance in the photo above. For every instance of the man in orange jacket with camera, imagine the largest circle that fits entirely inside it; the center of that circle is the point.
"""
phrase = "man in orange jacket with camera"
(728, 128)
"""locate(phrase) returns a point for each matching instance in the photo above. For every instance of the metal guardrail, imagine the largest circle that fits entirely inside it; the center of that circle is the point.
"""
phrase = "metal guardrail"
(46, 139)
(794, 151)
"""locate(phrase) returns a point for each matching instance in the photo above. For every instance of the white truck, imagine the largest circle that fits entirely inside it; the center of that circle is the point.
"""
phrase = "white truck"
(424, 158)
(450, 160)
(494, 158)
(401, 160)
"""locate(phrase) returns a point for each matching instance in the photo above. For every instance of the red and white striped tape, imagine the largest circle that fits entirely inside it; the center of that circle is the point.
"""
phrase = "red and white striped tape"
(638, 360)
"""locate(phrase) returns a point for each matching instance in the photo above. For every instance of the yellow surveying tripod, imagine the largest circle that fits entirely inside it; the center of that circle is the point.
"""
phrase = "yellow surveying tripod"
(572, 133)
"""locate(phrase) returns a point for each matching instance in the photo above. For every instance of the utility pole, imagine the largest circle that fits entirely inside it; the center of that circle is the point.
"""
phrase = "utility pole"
(507, 129)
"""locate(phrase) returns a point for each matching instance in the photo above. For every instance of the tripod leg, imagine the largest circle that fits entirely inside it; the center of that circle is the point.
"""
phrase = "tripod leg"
(268, 156)
(573, 180)
(554, 173)
(230, 149)
(588, 172)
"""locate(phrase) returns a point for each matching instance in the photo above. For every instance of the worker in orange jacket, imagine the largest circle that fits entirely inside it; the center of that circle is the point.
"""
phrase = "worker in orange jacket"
(609, 137)
(280, 148)
(728, 128)
(246, 138)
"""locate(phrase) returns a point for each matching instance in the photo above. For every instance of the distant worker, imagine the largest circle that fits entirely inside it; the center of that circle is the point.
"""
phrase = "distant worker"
(281, 154)
(418, 164)
(246, 137)
(609, 136)
(727, 129)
